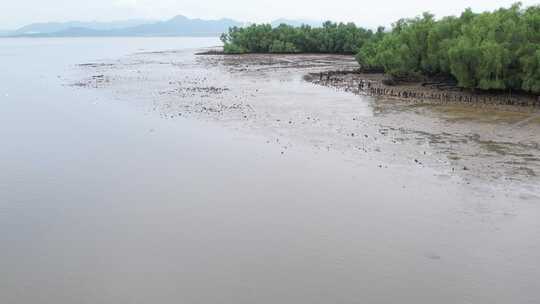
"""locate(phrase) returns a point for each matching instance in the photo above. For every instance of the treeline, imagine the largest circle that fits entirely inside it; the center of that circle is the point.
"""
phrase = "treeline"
(332, 37)
(493, 50)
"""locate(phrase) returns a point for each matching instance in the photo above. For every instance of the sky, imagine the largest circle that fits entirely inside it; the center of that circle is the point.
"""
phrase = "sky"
(368, 13)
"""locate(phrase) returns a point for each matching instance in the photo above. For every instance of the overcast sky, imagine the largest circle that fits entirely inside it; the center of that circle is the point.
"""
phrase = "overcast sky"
(370, 13)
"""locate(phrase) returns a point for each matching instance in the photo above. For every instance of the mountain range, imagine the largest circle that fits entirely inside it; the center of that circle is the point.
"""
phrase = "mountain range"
(177, 26)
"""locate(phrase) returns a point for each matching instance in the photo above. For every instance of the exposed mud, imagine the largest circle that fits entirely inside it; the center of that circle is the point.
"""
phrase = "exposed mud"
(269, 94)
(442, 92)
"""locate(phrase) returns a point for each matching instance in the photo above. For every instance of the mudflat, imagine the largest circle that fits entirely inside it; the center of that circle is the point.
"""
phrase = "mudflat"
(273, 95)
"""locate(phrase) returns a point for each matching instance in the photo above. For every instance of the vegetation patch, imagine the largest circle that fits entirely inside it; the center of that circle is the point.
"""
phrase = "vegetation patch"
(497, 50)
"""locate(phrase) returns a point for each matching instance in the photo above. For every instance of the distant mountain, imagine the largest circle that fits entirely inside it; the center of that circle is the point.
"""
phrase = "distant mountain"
(177, 26)
(54, 27)
(182, 26)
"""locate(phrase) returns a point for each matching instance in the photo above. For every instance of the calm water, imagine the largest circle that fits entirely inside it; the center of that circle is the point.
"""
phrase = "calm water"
(102, 202)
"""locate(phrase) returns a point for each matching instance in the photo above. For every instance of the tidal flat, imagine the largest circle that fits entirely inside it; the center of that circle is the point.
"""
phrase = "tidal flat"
(271, 95)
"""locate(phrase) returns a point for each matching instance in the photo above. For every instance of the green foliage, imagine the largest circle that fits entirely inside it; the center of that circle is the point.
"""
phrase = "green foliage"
(332, 37)
(279, 46)
(464, 57)
(233, 49)
(493, 50)
(531, 71)
(367, 55)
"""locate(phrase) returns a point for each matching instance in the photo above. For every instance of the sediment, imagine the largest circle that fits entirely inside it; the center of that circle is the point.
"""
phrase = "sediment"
(211, 52)
(376, 84)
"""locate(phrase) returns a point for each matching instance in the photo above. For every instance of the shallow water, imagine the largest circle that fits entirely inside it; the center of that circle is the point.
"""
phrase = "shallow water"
(130, 193)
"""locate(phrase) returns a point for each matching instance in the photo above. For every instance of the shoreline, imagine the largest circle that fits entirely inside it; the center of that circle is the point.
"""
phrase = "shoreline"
(269, 94)
(372, 84)
(218, 52)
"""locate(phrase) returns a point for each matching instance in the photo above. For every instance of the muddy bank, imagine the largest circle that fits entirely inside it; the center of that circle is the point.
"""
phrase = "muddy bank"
(219, 51)
(267, 94)
(441, 92)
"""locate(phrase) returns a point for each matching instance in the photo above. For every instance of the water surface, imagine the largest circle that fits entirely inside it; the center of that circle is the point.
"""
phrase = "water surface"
(105, 200)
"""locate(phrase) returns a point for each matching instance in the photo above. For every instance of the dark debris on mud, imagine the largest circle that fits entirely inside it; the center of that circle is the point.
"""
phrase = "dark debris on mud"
(185, 92)
(376, 84)
(95, 81)
(242, 90)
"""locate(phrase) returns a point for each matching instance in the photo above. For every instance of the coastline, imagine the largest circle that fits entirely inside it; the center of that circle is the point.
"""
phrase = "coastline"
(220, 52)
(269, 94)
(373, 84)
(418, 92)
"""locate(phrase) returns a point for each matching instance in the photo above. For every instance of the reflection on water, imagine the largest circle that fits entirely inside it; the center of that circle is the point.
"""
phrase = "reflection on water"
(104, 200)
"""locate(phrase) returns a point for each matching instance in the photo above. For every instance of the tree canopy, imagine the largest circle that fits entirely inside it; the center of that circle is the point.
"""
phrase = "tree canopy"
(491, 50)
(262, 38)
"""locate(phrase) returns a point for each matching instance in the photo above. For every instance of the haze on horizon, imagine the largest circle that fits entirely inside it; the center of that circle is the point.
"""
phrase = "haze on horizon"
(15, 14)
